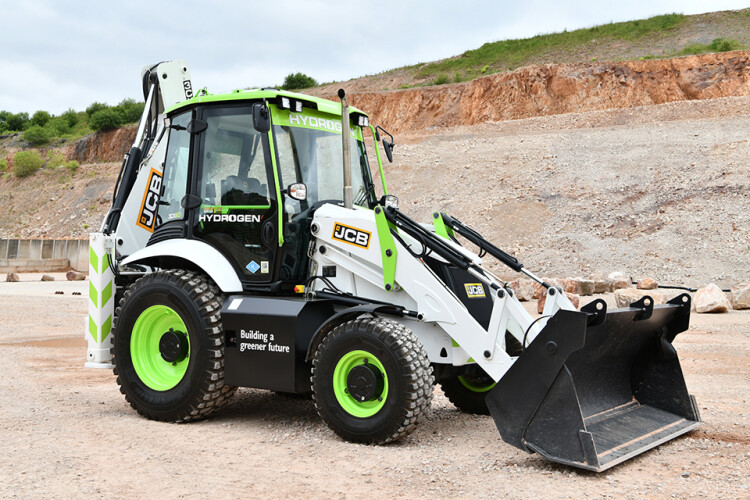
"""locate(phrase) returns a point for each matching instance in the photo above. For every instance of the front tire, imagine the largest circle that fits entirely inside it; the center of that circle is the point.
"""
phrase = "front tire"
(372, 380)
(169, 346)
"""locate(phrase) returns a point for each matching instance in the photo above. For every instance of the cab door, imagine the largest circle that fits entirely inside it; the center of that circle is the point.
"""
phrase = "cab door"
(238, 212)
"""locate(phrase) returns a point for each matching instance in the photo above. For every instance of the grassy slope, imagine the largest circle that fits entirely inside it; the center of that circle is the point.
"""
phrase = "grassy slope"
(663, 36)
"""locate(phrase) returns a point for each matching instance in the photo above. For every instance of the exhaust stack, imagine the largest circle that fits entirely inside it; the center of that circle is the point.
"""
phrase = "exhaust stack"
(346, 148)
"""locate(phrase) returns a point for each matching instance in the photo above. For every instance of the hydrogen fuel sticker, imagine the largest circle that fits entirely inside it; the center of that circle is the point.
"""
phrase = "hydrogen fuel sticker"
(252, 267)
(147, 214)
(474, 290)
(255, 340)
(351, 235)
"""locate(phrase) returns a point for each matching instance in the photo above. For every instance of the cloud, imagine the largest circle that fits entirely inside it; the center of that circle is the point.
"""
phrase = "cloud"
(71, 54)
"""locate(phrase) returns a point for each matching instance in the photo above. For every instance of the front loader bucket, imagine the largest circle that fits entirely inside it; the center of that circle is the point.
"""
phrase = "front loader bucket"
(596, 388)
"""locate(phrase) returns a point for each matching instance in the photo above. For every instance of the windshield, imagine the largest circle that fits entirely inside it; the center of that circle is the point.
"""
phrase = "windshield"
(314, 157)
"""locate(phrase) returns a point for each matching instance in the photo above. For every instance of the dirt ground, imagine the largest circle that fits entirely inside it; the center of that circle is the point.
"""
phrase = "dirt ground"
(67, 431)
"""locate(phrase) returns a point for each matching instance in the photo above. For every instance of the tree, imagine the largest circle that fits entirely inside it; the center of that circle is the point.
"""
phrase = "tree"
(298, 81)
(71, 117)
(94, 107)
(130, 111)
(36, 135)
(105, 119)
(40, 118)
(17, 122)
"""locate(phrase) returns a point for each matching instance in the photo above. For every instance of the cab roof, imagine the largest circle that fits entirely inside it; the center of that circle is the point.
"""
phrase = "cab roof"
(204, 97)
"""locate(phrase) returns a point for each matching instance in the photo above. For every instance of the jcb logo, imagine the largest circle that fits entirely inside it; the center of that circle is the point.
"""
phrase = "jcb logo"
(474, 290)
(351, 235)
(147, 215)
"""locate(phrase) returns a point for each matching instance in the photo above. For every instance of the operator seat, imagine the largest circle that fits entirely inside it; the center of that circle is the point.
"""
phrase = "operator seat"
(236, 190)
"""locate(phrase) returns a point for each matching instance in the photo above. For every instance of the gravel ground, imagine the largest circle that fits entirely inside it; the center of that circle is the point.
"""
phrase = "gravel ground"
(658, 191)
(67, 432)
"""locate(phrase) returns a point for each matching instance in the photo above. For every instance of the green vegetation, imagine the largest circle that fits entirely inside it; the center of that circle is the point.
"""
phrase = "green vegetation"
(54, 160)
(71, 165)
(36, 135)
(295, 81)
(105, 119)
(717, 45)
(3, 165)
(496, 56)
(26, 163)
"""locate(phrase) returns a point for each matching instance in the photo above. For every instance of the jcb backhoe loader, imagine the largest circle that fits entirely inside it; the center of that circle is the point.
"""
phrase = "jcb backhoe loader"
(246, 247)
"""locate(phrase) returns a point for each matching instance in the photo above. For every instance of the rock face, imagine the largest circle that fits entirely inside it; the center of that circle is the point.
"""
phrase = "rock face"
(12, 278)
(75, 276)
(711, 300)
(741, 296)
(575, 299)
(47, 277)
(523, 288)
(105, 146)
(626, 296)
(554, 88)
(647, 284)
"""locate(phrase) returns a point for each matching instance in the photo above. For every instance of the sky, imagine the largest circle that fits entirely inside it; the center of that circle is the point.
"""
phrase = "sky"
(58, 55)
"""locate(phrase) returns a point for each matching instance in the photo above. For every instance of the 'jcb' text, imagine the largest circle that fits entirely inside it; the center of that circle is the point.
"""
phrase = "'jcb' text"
(351, 235)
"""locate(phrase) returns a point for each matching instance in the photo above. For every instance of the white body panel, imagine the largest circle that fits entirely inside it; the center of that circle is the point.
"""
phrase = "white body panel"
(444, 317)
(201, 254)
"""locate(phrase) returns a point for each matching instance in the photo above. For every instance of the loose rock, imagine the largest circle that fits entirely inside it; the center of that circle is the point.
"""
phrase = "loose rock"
(47, 277)
(12, 278)
(647, 284)
(75, 276)
(620, 283)
(524, 289)
(711, 300)
(741, 296)
(626, 296)
(586, 287)
(604, 286)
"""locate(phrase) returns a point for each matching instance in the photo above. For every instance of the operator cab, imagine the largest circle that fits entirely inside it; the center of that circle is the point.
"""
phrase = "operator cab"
(226, 180)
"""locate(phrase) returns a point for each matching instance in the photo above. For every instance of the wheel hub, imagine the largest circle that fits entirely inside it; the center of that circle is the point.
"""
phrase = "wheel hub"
(365, 382)
(173, 346)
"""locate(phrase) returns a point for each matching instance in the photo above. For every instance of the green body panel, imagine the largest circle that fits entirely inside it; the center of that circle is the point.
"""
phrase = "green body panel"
(361, 409)
(440, 228)
(279, 200)
(386, 243)
(324, 105)
(312, 119)
(148, 363)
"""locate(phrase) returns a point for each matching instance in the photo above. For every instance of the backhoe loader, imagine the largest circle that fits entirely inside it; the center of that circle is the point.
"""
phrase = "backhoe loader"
(246, 247)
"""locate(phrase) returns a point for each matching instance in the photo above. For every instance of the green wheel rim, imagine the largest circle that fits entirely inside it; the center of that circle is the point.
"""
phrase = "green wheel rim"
(148, 329)
(361, 409)
(475, 386)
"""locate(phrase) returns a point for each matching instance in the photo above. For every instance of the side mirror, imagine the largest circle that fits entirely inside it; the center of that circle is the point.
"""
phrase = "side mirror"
(261, 120)
(297, 191)
(388, 147)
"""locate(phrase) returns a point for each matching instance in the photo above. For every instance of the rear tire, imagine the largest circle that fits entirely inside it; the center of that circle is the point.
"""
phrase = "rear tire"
(392, 358)
(467, 391)
(189, 386)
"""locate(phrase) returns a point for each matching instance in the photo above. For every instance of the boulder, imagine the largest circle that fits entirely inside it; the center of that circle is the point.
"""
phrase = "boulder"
(617, 275)
(575, 299)
(647, 284)
(586, 287)
(604, 286)
(741, 296)
(75, 276)
(570, 285)
(12, 278)
(621, 283)
(711, 299)
(626, 296)
(523, 288)
(47, 277)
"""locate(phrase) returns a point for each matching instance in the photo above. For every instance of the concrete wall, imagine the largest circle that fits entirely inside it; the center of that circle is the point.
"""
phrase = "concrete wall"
(22, 254)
